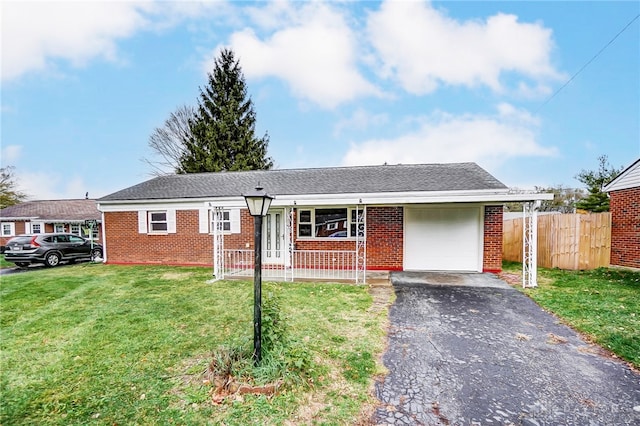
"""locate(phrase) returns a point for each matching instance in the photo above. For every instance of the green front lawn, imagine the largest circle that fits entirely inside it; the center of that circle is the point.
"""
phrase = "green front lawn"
(104, 344)
(604, 304)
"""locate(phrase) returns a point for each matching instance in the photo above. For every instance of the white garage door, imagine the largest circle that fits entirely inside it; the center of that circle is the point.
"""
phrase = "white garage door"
(442, 239)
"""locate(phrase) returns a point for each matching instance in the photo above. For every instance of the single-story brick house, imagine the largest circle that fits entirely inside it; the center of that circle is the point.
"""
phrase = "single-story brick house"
(401, 217)
(624, 194)
(35, 217)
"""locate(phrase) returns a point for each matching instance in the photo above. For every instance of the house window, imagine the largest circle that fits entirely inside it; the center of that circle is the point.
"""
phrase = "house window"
(357, 222)
(58, 228)
(158, 222)
(75, 228)
(328, 223)
(36, 228)
(224, 221)
(8, 229)
(305, 224)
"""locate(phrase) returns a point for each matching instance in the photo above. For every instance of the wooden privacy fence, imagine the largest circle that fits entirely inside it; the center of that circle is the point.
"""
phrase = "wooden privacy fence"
(565, 241)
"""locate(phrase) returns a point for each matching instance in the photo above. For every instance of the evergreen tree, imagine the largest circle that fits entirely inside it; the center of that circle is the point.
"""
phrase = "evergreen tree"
(223, 129)
(595, 181)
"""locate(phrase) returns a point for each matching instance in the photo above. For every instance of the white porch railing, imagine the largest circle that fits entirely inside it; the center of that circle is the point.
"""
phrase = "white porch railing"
(305, 264)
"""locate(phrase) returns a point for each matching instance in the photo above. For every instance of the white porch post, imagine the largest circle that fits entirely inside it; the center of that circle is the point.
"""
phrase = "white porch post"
(361, 244)
(530, 244)
(289, 267)
(218, 243)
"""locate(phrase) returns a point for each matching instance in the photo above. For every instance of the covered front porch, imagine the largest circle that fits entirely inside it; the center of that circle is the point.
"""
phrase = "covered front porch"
(281, 260)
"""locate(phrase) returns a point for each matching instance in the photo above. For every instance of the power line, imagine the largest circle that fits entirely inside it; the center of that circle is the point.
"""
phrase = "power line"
(588, 62)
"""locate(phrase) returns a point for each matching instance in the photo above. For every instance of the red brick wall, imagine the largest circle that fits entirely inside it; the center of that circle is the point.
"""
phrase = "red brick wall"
(385, 238)
(187, 247)
(625, 227)
(492, 253)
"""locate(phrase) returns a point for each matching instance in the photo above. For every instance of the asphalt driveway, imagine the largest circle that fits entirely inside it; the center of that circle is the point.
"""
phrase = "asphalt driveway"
(467, 349)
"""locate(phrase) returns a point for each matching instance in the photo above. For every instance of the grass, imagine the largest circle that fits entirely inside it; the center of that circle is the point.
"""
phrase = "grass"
(4, 264)
(603, 304)
(106, 344)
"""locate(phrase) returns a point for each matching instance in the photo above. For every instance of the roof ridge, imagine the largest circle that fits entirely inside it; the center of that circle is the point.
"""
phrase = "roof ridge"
(298, 169)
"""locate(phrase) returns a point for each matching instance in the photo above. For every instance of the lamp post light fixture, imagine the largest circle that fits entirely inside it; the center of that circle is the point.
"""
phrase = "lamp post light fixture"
(258, 202)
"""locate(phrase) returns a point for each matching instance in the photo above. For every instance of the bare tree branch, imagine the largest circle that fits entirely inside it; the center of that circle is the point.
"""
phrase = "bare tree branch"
(168, 142)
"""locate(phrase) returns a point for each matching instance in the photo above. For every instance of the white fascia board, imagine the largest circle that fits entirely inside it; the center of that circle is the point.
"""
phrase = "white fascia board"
(628, 178)
(15, 219)
(407, 198)
(64, 220)
(310, 200)
(178, 204)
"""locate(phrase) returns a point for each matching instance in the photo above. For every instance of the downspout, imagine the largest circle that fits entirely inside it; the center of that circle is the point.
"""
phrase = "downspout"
(104, 240)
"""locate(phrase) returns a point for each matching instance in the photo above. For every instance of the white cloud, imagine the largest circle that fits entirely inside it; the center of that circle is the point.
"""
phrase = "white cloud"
(360, 120)
(38, 34)
(422, 48)
(50, 186)
(10, 154)
(486, 139)
(274, 15)
(314, 51)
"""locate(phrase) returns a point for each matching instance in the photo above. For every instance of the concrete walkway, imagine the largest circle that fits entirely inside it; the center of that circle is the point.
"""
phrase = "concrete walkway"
(467, 349)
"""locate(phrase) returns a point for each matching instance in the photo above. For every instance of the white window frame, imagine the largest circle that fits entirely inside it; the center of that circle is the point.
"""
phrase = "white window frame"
(350, 212)
(151, 222)
(56, 228)
(40, 226)
(230, 222)
(225, 222)
(75, 228)
(11, 228)
(145, 223)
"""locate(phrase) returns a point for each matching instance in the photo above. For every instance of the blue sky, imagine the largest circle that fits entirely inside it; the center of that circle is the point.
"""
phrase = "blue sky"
(333, 83)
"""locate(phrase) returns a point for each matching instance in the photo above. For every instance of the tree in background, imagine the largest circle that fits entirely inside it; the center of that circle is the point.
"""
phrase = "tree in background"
(9, 195)
(595, 181)
(169, 141)
(223, 129)
(564, 199)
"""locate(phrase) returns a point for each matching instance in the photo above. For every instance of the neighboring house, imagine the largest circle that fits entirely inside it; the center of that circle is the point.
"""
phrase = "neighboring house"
(35, 217)
(624, 193)
(402, 217)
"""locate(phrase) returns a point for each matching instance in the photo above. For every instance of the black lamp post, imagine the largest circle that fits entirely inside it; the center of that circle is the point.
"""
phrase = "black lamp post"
(258, 202)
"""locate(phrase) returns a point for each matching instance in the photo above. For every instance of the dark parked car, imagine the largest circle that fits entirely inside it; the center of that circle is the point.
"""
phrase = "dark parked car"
(50, 249)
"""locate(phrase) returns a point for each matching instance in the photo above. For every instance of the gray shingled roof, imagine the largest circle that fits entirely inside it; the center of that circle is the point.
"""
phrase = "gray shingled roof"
(331, 180)
(71, 210)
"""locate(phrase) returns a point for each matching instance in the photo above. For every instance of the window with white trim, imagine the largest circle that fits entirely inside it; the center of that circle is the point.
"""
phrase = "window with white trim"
(333, 222)
(158, 221)
(75, 228)
(154, 222)
(36, 228)
(58, 228)
(228, 220)
(8, 229)
(224, 222)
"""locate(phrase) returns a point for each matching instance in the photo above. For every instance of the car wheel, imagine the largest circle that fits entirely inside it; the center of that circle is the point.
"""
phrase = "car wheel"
(96, 253)
(22, 264)
(52, 259)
